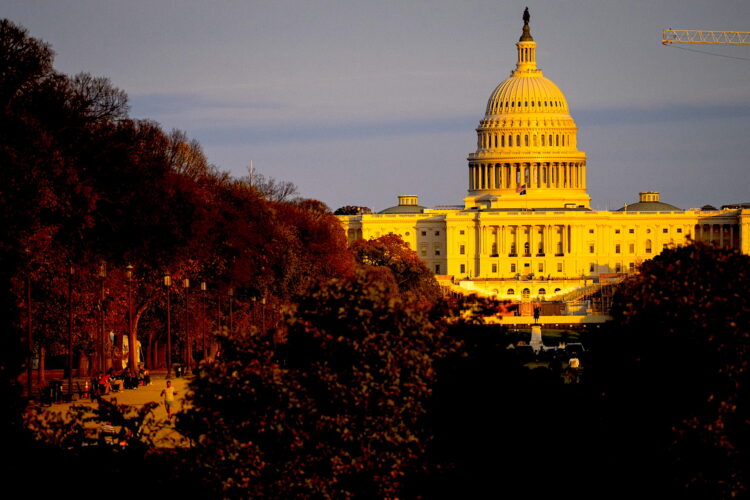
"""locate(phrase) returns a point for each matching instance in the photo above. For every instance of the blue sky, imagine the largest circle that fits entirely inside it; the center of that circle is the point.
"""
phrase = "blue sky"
(359, 101)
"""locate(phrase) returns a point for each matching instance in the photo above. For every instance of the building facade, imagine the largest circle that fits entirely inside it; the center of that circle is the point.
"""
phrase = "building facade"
(526, 229)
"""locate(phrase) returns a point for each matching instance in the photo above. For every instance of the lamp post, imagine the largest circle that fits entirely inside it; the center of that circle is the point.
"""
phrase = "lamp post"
(186, 287)
(168, 285)
(131, 332)
(231, 300)
(203, 314)
(102, 275)
(29, 339)
(71, 272)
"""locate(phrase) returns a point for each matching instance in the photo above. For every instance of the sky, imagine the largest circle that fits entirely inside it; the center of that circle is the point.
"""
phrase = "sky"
(359, 101)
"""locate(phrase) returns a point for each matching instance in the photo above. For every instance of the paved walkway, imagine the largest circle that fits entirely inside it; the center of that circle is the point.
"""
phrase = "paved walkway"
(139, 397)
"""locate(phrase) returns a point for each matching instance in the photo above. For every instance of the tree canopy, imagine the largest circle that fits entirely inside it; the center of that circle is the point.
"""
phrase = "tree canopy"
(410, 272)
(336, 411)
(681, 358)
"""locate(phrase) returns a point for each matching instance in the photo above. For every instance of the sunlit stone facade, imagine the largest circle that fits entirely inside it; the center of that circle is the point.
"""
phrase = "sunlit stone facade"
(526, 229)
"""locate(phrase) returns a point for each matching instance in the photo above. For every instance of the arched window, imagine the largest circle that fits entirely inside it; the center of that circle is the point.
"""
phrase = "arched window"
(648, 246)
(557, 140)
(510, 292)
(502, 141)
(510, 141)
(542, 140)
(557, 290)
(518, 140)
(542, 292)
(526, 140)
(525, 293)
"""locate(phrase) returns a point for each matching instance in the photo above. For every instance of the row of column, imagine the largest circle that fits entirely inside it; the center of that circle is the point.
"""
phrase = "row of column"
(716, 234)
(512, 239)
(494, 141)
(534, 175)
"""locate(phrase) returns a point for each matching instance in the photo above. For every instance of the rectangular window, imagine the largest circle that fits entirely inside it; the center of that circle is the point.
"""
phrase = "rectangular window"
(424, 251)
(632, 248)
(541, 267)
(631, 266)
(617, 248)
(462, 249)
(618, 268)
(591, 248)
(494, 268)
(424, 233)
(591, 231)
(617, 231)
(679, 229)
(437, 268)
(437, 233)
(461, 232)
(463, 268)
(665, 230)
(559, 267)
(513, 268)
(437, 251)
(631, 231)
(592, 267)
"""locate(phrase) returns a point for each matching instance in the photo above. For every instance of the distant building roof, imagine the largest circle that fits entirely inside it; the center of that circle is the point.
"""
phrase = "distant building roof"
(407, 204)
(649, 202)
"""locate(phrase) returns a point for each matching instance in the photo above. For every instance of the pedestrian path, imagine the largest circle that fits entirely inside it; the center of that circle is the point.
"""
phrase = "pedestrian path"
(139, 397)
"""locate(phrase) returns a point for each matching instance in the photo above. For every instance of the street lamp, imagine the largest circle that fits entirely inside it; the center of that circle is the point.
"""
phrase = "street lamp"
(188, 351)
(102, 274)
(203, 314)
(29, 339)
(71, 272)
(231, 300)
(131, 331)
(168, 285)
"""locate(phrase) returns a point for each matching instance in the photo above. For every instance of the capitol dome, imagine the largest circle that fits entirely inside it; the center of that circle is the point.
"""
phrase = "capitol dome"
(527, 154)
(522, 94)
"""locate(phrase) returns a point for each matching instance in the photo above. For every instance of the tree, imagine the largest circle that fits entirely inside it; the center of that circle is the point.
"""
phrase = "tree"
(335, 411)
(352, 210)
(682, 356)
(270, 188)
(410, 272)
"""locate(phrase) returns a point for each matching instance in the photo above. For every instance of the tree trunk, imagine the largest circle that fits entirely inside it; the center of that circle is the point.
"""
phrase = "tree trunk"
(40, 375)
(83, 365)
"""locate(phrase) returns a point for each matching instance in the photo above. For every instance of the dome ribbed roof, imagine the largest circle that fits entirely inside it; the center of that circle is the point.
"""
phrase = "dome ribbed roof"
(527, 94)
(650, 206)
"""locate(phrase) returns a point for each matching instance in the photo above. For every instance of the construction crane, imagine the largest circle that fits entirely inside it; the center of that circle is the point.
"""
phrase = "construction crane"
(671, 36)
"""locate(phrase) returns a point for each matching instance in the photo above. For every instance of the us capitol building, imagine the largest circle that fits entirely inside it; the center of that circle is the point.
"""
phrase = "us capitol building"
(526, 229)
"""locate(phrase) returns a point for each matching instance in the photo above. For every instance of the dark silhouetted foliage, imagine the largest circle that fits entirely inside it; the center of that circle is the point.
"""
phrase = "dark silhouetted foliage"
(352, 210)
(336, 412)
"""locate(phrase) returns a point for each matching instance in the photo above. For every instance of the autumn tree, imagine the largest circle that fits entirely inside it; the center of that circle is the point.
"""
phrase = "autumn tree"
(680, 357)
(335, 411)
(391, 252)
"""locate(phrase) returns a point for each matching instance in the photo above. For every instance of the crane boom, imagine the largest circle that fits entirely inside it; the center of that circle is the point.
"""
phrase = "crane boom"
(707, 37)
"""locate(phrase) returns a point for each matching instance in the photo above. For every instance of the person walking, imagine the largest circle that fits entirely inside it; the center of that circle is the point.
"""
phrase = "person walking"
(169, 393)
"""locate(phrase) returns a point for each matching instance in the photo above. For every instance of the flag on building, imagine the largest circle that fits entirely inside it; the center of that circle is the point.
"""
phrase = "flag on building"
(521, 189)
